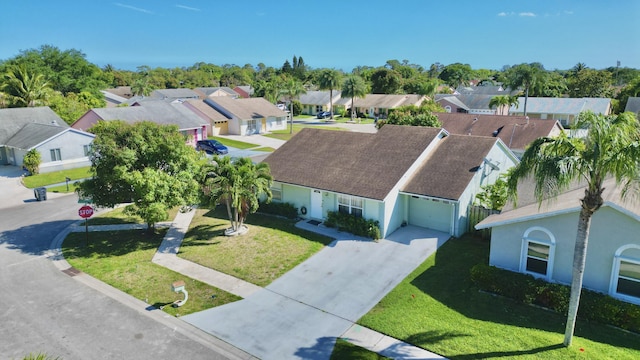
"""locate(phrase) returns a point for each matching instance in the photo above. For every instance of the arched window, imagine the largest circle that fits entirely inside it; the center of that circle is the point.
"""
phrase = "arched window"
(447, 108)
(537, 254)
(625, 276)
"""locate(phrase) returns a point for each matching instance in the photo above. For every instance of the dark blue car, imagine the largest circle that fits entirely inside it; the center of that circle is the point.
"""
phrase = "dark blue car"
(211, 147)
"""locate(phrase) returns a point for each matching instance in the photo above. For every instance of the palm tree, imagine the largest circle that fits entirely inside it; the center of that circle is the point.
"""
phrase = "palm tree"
(353, 87)
(239, 186)
(526, 76)
(292, 88)
(330, 79)
(499, 102)
(141, 87)
(610, 149)
(24, 88)
(513, 101)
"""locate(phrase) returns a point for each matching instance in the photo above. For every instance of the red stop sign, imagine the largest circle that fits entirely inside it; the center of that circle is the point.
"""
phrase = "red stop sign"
(85, 211)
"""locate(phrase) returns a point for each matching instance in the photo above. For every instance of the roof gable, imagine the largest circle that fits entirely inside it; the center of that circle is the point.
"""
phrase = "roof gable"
(158, 112)
(33, 134)
(360, 164)
(14, 119)
(245, 109)
(388, 101)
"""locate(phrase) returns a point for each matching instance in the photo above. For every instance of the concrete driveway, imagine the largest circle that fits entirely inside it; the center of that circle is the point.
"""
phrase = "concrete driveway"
(300, 315)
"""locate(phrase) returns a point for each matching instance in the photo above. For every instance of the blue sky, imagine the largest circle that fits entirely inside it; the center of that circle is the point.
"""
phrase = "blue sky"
(330, 33)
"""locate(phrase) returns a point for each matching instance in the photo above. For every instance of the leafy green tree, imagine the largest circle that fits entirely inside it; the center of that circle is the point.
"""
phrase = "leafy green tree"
(590, 83)
(421, 85)
(456, 75)
(385, 81)
(291, 90)
(632, 89)
(286, 68)
(238, 185)
(410, 115)
(72, 106)
(23, 87)
(494, 196)
(353, 87)
(330, 79)
(32, 161)
(145, 164)
(610, 149)
(524, 76)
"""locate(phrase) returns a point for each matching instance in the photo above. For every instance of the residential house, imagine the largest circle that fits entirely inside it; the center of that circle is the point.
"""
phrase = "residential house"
(314, 102)
(249, 116)
(60, 147)
(209, 92)
(633, 105)
(219, 124)
(174, 94)
(400, 175)
(378, 105)
(539, 240)
(468, 103)
(564, 110)
(117, 96)
(517, 132)
(244, 91)
(192, 126)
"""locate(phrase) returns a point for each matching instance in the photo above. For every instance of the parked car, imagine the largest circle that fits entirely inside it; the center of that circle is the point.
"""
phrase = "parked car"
(211, 147)
(282, 107)
(324, 115)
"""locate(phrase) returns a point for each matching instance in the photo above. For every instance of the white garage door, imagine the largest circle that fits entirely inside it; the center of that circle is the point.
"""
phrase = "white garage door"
(430, 214)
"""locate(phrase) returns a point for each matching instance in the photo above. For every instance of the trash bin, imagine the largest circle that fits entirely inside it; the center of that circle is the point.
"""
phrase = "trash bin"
(40, 193)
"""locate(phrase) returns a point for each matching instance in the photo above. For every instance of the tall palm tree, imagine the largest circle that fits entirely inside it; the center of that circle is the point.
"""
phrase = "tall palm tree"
(238, 185)
(23, 87)
(610, 149)
(499, 102)
(524, 76)
(291, 89)
(330, 79)
(353, 87)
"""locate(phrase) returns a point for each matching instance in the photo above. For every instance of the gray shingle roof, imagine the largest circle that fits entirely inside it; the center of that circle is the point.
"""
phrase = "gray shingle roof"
(33, 134)
(12, 120)
(353, 163)
(210, 90)
(165, 94)
(388, 101)
(318, 97)
(573, 106)
(633, 105)
(159, 112)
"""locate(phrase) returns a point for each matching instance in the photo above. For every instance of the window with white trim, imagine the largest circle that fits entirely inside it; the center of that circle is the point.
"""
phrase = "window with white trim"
(55, 155)
(276, 192)
(628, 278)
(350, 205)
(538, 247)
(252, 126)
(87, 149)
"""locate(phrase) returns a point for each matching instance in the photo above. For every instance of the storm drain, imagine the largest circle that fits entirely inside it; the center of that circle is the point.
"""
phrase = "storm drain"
(71, 271)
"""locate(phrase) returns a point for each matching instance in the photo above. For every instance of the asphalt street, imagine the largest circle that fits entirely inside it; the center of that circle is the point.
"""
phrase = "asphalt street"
(46, 310)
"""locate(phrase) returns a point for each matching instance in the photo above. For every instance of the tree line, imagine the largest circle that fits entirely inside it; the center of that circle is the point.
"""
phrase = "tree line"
(68, 83)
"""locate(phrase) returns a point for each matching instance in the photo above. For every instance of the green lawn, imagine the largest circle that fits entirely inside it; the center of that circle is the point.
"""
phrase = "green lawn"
(122, 259)
(286, 134)
(55, 177)
(117, 216)
(272, 246)
(234, 143)
(346, 350)
(438, 308)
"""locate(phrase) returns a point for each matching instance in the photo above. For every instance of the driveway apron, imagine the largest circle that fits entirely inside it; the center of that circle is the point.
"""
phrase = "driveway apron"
(301, 314)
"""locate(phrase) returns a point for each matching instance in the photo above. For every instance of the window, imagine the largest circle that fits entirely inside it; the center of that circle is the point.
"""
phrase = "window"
(447, 108)
(350, 205)
(537, 257)
(538, 246)
(276, 193)
(629, 278)
(252, 126)
(87, 149)
(278, 121)
(55, 155)
(625, 277)
(318, 108)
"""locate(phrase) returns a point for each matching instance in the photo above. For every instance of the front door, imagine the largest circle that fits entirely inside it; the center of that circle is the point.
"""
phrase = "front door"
(316, 204)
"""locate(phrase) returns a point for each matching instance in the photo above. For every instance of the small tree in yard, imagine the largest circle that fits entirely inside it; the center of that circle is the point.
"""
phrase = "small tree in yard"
(238, 185)
(32, 161)
(145, 164)
(494, 196)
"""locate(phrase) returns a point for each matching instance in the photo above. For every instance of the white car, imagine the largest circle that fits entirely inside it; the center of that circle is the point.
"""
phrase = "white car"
(282, 107)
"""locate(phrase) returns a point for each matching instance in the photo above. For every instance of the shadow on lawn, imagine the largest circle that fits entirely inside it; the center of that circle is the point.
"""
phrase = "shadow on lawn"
(498, 354)
(111, 243)
(448, 281)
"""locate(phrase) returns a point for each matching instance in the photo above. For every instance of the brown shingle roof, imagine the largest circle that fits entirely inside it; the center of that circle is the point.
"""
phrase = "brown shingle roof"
(514, 131)
(450, 167)
(388, 101)
(360, 164)
(209, 112)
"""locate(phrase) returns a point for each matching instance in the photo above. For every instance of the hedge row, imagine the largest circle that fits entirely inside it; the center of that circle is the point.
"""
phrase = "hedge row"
(353, 224)
(283, 209)
(529, 290)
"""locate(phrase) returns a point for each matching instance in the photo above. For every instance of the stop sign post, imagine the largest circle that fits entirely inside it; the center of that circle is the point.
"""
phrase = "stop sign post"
(85, 212)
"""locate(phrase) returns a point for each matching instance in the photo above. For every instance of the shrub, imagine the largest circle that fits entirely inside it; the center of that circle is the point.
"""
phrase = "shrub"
(283, 209)
(353, 224)
(529, 290)
(32, 161)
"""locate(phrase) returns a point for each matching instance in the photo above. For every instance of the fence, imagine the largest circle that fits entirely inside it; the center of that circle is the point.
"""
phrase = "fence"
(477, 214)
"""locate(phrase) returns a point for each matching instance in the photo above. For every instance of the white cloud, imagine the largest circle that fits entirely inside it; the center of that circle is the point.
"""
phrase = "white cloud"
(187, 7)
(133, 8)
(528, 14)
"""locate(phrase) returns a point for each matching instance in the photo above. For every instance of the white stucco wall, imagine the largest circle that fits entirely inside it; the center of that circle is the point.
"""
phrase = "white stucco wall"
(610, 230)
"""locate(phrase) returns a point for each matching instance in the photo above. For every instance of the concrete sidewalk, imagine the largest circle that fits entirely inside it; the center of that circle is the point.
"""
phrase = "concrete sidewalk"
(300, 320)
